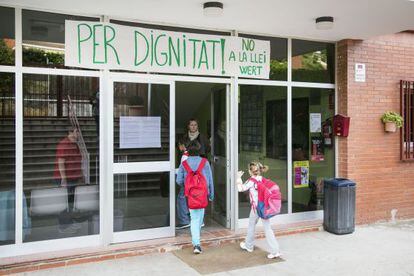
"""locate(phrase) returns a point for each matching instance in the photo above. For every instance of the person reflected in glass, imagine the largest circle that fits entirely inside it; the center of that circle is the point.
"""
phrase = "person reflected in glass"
(193, 134)
(68, 173)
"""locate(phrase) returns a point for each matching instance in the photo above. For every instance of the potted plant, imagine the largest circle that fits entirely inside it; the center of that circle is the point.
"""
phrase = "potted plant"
(392, 121)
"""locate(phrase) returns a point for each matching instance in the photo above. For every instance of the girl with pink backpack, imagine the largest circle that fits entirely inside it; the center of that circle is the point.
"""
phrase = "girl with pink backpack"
(255, 170)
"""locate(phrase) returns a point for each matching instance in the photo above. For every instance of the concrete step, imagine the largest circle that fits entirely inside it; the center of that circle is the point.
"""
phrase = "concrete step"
(213, 237)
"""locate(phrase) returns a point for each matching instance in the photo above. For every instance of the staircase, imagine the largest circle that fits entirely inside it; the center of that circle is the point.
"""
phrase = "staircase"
(41, 135)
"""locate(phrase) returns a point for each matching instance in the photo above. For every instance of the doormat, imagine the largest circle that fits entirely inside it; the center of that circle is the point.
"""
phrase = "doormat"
(224, 258)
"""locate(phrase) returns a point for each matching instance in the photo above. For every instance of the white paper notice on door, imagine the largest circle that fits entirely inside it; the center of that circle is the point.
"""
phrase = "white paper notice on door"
(136, 132)
(315, 122)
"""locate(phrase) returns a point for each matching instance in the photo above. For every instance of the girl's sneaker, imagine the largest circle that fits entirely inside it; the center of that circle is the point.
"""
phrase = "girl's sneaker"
(274, 256)
(197, 249)
(244, 247)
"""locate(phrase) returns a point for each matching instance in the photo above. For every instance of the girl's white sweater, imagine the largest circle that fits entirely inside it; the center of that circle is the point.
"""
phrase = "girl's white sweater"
(250, 185)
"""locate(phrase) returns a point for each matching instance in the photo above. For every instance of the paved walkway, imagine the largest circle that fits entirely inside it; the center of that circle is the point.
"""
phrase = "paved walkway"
(378, 249)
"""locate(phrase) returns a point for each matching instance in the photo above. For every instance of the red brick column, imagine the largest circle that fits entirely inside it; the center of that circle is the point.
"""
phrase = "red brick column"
(369, 155)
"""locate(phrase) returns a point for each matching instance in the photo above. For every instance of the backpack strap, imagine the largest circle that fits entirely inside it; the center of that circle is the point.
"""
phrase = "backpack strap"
(201, 166)
(187, 167)
(256, 182)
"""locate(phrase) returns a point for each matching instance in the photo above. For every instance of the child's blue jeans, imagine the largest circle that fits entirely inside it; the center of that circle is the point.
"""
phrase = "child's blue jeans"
(197, 217)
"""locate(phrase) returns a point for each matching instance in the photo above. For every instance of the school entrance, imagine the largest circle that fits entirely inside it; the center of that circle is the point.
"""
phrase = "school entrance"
(129, 124)
(149, 118)
(208, 103)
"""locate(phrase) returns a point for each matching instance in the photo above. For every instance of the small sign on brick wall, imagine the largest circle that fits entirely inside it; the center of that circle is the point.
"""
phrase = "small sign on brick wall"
(359, 72)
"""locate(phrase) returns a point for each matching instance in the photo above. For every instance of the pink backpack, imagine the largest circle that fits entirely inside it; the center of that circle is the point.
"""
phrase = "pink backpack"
(269, 198)
(195, 186)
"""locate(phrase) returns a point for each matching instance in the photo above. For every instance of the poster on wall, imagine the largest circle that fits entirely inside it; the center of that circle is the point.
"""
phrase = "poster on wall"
(139, 132)
(315, 122)
(98, 45)
(301, 174)
(318, 150)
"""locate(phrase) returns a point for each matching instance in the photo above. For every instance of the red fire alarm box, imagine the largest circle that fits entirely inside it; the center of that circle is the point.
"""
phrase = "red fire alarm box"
(341, 125)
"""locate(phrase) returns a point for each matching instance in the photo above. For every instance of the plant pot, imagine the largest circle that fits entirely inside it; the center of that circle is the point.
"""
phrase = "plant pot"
(390, 127)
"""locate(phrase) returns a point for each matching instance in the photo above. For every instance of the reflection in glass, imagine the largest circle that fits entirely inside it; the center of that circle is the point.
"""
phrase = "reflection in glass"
(7, 161)
(262, 136)
(312, 146)
(313, 61)
(136, 104)
(278, 56)
(7, 42)
(141, 201)
(44, 38)
(60, 156)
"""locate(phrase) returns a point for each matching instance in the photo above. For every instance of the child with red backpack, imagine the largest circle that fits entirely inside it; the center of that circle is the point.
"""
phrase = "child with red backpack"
(195, 174)
(265, 200)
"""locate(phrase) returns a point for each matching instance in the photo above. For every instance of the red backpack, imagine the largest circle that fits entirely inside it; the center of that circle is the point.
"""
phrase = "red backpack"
(195, 186)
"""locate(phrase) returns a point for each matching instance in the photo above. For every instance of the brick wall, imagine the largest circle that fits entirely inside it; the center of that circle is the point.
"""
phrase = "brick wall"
(369, 155)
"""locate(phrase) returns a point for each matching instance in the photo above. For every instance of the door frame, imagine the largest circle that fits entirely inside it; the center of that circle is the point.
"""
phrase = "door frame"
(228, 83)
(290, 216)
(228, 218)
(137, 167)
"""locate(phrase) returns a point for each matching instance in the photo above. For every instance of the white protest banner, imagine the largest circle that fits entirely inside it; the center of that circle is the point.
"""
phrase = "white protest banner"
(110, 46)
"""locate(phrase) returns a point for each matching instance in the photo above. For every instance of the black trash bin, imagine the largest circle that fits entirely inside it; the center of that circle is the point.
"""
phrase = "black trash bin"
(339, 205)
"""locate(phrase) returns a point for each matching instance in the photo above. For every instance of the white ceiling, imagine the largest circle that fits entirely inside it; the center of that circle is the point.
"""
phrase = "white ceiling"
(356, 19)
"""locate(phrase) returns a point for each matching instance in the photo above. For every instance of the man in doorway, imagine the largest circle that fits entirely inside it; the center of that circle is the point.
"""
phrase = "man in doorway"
(68, 173)
(193, 134)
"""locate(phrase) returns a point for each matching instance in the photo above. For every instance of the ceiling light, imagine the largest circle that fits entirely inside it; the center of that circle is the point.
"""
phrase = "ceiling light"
(324, 22)
(213, 9)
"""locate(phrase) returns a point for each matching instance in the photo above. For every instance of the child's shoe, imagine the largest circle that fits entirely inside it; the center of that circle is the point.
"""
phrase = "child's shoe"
(197, 249)
(274, 256)
(244, 247)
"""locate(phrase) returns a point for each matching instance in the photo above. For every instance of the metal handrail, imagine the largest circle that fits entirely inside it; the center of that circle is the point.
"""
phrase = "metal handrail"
(80, 141)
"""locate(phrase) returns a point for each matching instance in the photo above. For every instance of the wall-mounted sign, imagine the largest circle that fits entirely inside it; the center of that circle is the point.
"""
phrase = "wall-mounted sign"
(315, 122)
(359, 72)
(139, 132)
(98, 45)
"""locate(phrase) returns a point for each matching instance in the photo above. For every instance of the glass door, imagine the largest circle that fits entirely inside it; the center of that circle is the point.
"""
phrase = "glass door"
(143, 159)
(219, 155)
(263, 137)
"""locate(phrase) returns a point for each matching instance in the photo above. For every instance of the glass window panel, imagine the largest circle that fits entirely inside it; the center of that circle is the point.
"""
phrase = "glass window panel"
(60, 156)
(141, 201)
(313, 61)
(7, 41)
(313, 150)
(44, 38)
(137, 104)
(278, 56)
(262, 136)
(7, 160)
